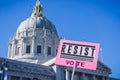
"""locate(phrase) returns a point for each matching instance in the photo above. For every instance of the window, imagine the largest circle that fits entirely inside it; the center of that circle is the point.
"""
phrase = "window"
(35, 78)
(25, 78)
(28, 49)
(15, 78)
(38, 49)
(49, 51)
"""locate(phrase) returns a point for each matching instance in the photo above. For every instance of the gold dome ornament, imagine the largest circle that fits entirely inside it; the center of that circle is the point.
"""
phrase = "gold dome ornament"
(38, 10)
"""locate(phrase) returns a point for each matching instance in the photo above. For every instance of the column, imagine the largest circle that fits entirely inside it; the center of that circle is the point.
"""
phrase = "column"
(67, 74)
(23, 47)
(103, 78)
(9, 50)
(20, 78)
(14, 51)
(75, 77)
(9, 77)
(33, 45)
(107, 78)
(83, 76)
(44, 47)
(60, 75)
(93, 77)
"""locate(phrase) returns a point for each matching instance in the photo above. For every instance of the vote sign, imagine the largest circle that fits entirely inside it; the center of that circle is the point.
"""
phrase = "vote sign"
(81, 54)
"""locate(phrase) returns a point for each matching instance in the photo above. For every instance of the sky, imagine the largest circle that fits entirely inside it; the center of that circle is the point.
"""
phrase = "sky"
(96, 21)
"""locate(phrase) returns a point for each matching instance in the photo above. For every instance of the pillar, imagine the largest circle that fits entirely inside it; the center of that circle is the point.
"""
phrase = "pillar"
(9, 77)
(33, 45)
(21, 78)
(14, 50)
(60, 73)
(75, 77)
(107, 78)
(83, 76)
(44, 47)
(93, 77)
(103, 78)
(67, 74)
(23, 47)
(9, 50)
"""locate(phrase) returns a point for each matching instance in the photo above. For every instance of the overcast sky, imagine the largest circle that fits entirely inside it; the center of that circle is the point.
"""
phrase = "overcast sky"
(88, 20)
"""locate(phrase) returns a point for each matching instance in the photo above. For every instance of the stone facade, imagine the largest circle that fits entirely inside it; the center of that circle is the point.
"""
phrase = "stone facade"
(102, 73)
(18, 70)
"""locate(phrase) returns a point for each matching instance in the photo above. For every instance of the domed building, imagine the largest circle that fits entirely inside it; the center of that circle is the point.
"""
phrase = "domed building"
(36, 39)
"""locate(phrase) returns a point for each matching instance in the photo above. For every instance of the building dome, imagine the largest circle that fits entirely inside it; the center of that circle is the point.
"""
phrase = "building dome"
(36, 22)
(36, 39)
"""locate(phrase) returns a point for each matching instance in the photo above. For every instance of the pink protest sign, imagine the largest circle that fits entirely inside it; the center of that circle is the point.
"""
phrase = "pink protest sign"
(81, 54)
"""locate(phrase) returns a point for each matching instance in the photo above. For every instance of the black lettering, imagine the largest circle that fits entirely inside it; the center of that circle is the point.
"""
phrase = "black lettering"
(93, 49)
(86, 51)
(81, 50)
(75, 48)
(69, 48)
(63, 48)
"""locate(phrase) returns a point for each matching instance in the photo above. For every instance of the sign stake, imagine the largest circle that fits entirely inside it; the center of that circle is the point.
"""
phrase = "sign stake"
(73, 71)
